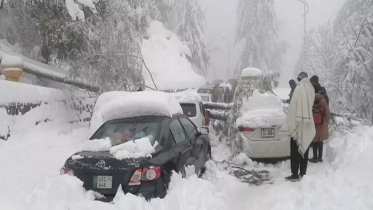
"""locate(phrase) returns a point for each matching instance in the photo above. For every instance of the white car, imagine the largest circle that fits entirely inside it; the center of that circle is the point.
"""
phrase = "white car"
(205, 94)
(195, 112)
(260, 125)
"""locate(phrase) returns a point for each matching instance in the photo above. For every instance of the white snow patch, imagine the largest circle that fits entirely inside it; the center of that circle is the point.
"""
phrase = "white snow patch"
(251, 72)
(136, 104)
(97, 145)
(77, 157)
(133, 149)
(188, 96)
(242, 159)
(261, 110)
(10, 60)
(165, 56)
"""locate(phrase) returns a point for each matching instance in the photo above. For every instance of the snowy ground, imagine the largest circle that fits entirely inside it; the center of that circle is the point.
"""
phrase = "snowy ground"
(30, 163)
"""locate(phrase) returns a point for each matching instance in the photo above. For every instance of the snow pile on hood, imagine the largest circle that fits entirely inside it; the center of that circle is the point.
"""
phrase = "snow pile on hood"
(261, 110)
(188, 96)
(135, 104)
(165, 56)
(251, 72)
(97, 145)
(134, 149)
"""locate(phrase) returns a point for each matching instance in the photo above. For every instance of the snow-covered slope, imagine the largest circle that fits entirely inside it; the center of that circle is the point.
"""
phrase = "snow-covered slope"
(165, 56)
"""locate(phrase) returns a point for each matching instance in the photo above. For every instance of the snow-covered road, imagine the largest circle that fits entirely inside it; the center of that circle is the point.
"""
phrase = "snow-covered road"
(30, 163)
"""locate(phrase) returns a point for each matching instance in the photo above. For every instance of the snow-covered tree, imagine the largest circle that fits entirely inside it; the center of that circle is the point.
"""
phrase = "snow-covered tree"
(257, 29)
(187, 22)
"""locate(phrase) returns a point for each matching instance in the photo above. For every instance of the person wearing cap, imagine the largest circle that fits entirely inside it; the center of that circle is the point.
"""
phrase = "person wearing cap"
(301, 126)
(315, 81)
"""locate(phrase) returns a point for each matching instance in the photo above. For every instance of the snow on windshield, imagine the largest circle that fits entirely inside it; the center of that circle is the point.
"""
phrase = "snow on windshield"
(134, 149)
(261, 110)
(136, 104)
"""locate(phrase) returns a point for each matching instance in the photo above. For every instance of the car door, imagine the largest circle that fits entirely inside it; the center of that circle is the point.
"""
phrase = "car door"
(197, 142)
(182, 146)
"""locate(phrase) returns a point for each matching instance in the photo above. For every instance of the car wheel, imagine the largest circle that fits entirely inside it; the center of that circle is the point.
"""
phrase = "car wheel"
(203, 169)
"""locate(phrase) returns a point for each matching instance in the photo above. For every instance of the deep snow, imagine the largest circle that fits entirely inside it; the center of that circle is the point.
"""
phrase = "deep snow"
(31, 159)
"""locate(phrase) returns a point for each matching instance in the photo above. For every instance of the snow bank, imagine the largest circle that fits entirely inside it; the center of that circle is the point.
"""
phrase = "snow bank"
(13, 92)
(261, 110)
(136, 104)
(105, 98)
(188, 96)
(10, 60)
(165, 56)
(97, 145)
(4, 124)
(133, 149)
(251, 72)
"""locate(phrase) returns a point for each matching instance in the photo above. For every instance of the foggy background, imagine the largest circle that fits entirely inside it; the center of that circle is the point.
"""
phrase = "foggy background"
(220, 26)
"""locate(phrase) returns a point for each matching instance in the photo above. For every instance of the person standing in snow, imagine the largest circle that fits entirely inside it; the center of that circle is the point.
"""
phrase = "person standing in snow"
(293, 85)
(301, 126)
(321, 123)
(315, 81)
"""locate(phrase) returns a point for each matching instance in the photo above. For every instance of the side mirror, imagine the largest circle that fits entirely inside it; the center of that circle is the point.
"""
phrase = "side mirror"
(203, 130)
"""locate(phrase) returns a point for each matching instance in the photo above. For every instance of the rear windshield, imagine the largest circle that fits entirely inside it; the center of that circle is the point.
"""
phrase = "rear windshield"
(204, 91)
(121, 132)
(189, 110)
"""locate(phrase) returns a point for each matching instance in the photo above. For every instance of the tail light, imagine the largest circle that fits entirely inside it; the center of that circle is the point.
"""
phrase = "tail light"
(246, 129)
(68, 171)
(145, 175)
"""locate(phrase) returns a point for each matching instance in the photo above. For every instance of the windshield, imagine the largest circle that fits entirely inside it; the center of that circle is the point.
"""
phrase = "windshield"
(189, 110)
(124, 131)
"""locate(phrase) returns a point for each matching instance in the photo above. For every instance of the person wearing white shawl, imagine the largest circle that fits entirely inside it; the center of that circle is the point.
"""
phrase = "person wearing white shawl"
(301, 125)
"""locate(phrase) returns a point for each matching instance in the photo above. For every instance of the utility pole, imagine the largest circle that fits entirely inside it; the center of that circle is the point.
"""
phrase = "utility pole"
(306, 10)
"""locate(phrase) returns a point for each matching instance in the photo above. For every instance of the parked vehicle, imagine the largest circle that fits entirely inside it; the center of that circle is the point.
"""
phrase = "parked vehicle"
(196, 113)
(205, 94)
(176, 141)
(261, 119)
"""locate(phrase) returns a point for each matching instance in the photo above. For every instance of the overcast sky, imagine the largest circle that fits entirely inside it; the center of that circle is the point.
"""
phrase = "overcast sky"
(220, 25)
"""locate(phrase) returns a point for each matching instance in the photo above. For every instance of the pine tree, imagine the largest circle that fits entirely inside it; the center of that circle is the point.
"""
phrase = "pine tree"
(187, 22)
(258, 28)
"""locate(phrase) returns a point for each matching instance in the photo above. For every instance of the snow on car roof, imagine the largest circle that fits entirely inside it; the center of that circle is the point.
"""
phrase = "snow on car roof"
(121, 105)
(10, 60)
(188, 97)
(251, 72)
(261, 110)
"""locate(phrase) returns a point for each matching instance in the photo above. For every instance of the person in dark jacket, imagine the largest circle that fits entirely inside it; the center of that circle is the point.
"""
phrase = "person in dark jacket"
(315, 80)
(293, 85)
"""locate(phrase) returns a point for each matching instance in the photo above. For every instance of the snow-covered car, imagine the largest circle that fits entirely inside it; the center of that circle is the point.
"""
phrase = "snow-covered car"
(205, 94)
(142, 137)
(260, 125)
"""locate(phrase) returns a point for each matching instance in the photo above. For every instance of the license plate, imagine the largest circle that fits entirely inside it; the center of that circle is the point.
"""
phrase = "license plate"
(103, 182)
(268, 132)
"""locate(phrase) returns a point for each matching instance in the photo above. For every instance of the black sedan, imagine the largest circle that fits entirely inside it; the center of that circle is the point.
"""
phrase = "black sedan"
(177, 141)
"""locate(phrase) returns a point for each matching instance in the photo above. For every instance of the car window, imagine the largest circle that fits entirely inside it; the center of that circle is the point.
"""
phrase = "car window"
(177, 131)
(189, 128)
(121, 132)
(189, 110)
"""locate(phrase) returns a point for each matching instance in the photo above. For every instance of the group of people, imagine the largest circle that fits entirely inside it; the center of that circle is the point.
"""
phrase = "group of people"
(220, 94)
(308, 122)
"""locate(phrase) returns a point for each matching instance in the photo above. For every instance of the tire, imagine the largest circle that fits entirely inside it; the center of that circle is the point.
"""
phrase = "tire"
(203, 169)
